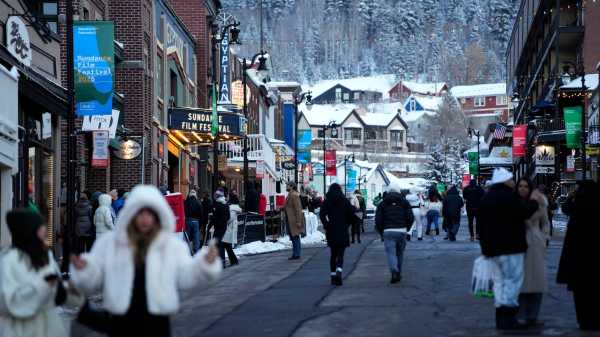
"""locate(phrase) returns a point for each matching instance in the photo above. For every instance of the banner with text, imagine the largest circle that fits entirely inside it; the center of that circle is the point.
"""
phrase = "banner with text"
(100, 154)
(573, 126)
(330, 163)
(94, 67)
(473, 163)
(304, 145)
(519, 140)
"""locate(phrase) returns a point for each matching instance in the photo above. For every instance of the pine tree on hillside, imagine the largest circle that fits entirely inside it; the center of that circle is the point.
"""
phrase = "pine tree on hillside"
(435, 167)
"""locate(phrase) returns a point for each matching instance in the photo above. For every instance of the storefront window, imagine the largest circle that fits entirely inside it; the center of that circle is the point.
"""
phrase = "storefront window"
(40, 185)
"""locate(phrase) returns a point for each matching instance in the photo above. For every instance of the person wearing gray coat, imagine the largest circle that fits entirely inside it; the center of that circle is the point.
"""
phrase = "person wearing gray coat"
(103, 218)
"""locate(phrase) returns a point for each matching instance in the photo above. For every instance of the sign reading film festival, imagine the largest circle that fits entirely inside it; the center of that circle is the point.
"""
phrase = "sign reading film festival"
(573, 126)
(519, 140)
(473, 163)
(94, 67)
(195, 124)
(304, 145)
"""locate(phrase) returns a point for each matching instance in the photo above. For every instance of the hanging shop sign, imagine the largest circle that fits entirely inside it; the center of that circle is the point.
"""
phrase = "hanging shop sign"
(224, 88)
(519, 139)
(544, 170)
(573, 126)
(237, 93)
(304, 146)
(94, 66)
(100, 154)
(260, 169)
(570, 164)
(46, 125)
(318, 169)
(102, 122)
(128, 149)
(473, 162)
(17, 40)
(330, 163)
(200, 121)
(544, 155)
(288, 165)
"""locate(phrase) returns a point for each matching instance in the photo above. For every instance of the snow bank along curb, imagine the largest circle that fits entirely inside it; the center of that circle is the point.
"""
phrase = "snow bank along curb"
(258, 247)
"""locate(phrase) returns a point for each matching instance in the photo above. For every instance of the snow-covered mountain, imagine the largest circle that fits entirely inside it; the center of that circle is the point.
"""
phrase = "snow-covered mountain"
(457, 41)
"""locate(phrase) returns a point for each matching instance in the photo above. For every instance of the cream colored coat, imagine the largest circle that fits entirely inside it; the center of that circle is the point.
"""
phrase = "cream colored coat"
(30, 298)
(294, 214)
(538, 229)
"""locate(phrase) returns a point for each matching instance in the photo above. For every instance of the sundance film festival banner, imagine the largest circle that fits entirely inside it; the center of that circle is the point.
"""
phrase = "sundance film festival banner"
(304, 146)
(330, 163)
(519, 140)
(94, 67)
(573, 126)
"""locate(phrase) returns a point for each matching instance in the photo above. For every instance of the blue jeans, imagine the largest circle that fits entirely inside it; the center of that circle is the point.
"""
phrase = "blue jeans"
(433, 217)
(192, 228)
(296, 247)
(394, 243)
(453, 227)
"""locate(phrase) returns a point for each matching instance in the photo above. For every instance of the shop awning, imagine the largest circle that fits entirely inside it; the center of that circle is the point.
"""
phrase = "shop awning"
(192, 126)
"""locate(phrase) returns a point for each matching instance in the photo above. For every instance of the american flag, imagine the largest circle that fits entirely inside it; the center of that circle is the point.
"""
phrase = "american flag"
(499, 131)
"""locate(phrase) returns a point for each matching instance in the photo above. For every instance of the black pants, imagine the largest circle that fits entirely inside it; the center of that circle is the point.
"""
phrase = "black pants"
(337, 258)
(473, 221)
(84, 244)
(224, 246)
(586, 308)
(356, 228)
(529, 305)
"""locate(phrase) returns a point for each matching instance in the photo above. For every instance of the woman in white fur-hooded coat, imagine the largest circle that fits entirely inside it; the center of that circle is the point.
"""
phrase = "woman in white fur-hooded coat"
(141, 265)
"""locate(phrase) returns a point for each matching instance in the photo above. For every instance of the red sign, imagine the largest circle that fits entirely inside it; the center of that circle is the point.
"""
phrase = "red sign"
(330, 163)
(175, 200)
(519, 139)
(466, 180)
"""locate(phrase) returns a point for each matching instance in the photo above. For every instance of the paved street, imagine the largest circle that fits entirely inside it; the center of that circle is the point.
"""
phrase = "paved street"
(269, 296)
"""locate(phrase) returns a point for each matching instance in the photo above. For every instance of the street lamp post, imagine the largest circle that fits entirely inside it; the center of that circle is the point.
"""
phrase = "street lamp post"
(297, 101)
(71, 141)
(245, 67)
(332, 125)
(216, 40)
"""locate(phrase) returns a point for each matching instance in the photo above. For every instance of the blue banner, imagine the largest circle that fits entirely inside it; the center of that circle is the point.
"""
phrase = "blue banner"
(94, 66)
(304, 146)
(351, 179)
(289, 124)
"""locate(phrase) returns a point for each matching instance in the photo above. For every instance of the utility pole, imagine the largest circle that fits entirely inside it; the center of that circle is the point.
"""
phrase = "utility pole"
(71, 141)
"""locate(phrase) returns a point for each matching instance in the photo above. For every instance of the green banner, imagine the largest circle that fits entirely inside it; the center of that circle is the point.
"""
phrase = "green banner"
(573, 126)
(94, 67)
(473, 163)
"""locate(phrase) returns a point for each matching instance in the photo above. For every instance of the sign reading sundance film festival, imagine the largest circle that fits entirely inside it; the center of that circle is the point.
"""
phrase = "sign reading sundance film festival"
(94, 66)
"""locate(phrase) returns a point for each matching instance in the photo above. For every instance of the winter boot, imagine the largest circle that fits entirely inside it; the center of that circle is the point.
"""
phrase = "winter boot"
(408, 238)
(338, 277)
(437, 231)
(333, 279)
(506, 319)
(395, 277)
(427, 232)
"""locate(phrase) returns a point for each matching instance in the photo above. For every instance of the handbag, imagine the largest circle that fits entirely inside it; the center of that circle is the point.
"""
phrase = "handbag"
(95, 318)
(482, 281)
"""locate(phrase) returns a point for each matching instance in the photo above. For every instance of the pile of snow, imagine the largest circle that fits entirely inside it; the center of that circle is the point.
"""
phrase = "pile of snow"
(259, 247)
(411, 184)
(591, 83)
(424, 88)
(490, 89)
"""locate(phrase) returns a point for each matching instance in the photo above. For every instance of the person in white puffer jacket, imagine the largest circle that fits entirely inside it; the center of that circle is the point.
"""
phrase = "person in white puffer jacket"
(141, 265)
(415, 204)
(103, 218)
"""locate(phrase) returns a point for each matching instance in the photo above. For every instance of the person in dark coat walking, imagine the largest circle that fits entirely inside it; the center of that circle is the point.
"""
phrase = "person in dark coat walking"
(393, 219)
(84, 227)
(503, 240)
(337, 216)
(193, 215)
(251, 199)
(473, 194)
(207, 208)
(451, 210)
(220, 218)
(579, 256)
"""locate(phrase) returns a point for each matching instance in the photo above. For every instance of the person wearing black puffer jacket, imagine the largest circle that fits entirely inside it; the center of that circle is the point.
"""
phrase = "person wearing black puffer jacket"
(221, 216)
(393, 219)
(452, 207)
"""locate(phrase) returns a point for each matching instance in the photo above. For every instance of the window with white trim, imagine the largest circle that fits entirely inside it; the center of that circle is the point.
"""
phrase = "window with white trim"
(479, 101)
(346, 97)
(352, 136)
(356, 96)
(338, 95)
(501, 100)
(397, 138)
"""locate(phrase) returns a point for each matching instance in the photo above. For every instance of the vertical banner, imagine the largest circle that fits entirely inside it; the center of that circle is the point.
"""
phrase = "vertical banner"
(466, 179)
(519, 140)
(175, 200)
(473, 163)
(573, 126)
(330, 163)
(225, 85)
(100, 151)
(351, 179)
(94, 67)
(304, 146)
(260, 169)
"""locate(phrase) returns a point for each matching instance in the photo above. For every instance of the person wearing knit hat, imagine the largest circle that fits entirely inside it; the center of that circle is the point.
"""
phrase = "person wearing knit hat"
(502, 234)
(30, 285)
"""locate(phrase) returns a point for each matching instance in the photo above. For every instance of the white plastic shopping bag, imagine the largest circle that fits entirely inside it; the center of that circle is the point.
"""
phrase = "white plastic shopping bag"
(482, 282)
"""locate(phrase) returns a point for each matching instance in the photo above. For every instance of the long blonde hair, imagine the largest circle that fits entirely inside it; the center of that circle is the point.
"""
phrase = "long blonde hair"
(139, 241)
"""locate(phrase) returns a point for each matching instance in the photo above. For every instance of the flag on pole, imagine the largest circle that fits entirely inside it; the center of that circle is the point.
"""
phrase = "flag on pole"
(214, 128)
(499, 131)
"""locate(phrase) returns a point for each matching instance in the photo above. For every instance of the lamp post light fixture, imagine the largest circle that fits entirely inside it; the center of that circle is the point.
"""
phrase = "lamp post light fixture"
(217, 38)
(333, 127)
(262, 67)
(297, 101)
(474, 132)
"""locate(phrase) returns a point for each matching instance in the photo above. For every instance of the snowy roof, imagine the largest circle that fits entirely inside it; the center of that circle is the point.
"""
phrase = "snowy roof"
(353, 125)
(424, 88)
(377, 119)
(491, 89)
(411, 116)
(284, 84)
(591, 83)
(377, 83)
(431, 103)
(322, 114)
(387, 107)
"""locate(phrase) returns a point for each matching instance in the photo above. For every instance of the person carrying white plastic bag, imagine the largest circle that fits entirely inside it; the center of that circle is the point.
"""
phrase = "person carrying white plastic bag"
(484, 272)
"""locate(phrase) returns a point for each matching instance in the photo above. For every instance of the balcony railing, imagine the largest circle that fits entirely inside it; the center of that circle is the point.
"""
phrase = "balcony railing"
(259, 148)
(594, 135)
(545, 125)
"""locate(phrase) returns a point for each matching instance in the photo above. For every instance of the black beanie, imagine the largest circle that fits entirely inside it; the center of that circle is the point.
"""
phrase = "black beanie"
(23, 224)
